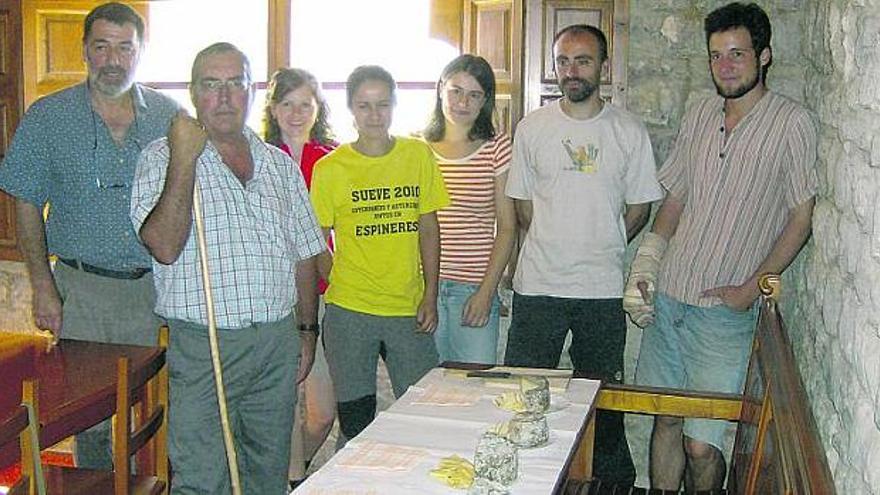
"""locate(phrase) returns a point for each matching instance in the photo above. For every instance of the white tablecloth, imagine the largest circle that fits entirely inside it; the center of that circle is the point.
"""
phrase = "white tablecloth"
(440, 431)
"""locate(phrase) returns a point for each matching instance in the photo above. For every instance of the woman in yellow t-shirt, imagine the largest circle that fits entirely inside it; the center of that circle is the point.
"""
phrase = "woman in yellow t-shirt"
(379, 196)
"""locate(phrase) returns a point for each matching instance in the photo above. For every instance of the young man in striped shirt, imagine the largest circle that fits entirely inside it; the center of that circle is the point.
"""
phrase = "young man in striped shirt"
(740, 184)
(583, 177)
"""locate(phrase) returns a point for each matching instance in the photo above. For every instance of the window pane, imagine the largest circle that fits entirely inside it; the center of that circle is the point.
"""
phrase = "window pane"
(370, 32)
(410, 114)
(179, 30)
(367, 32)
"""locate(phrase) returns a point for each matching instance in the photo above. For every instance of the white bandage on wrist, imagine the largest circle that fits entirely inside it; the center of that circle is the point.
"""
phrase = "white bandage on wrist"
(643, 270)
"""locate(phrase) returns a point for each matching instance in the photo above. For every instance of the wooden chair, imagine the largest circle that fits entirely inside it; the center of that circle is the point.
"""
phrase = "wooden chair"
(147, 393)
(777, 450)
(24, 427)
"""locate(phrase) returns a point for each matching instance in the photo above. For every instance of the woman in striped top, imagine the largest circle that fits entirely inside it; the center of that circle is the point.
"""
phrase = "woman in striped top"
(477, 230)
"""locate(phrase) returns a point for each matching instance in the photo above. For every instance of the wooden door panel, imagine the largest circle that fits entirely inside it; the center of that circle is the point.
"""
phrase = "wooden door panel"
(490, 38)
(545, 18)
(493, 30)
(10, 102)
(52, 46)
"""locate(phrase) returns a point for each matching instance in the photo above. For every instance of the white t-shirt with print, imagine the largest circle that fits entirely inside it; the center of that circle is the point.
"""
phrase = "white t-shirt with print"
(579, 175)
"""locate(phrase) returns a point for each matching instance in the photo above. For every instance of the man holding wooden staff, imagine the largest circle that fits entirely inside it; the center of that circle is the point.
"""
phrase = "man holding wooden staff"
(261, 239)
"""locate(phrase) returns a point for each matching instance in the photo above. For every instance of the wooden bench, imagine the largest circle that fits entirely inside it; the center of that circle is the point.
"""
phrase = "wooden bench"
(777, 448)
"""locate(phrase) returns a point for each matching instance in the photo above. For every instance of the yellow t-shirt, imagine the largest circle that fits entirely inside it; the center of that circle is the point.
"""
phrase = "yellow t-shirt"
(373, 205)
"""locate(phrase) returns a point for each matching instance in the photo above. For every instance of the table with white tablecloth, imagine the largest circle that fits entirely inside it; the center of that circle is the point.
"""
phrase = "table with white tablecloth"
(444, 414)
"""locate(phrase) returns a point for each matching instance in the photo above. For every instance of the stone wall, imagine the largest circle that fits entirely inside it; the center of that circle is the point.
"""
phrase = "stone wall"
(15, 298)
(834, 304)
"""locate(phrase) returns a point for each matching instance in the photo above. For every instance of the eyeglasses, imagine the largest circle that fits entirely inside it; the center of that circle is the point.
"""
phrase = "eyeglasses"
(456, 93)
(105, 184)
(233, 85)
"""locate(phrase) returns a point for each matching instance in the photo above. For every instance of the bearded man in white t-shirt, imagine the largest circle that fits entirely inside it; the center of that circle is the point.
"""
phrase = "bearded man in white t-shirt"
(583, 177)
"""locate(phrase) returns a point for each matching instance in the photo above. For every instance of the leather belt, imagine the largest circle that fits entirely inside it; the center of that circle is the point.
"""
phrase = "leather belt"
(103, 272)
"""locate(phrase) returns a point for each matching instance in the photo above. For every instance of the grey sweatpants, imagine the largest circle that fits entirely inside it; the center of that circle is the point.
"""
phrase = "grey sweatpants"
(352, 341)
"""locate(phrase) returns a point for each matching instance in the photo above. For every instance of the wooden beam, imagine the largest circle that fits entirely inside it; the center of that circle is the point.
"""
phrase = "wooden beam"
(669, 402)
(279, 36)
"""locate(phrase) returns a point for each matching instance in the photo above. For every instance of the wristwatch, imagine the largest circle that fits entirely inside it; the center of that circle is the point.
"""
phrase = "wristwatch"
(310, 327)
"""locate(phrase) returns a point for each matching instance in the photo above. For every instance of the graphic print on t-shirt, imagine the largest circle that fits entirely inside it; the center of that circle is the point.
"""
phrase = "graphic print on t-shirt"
(385, 210)
(584, 157)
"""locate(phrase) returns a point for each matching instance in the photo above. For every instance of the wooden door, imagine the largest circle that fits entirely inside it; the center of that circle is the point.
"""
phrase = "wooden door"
(52, 45)
(545, 18)
(10, 109)
(493, 30)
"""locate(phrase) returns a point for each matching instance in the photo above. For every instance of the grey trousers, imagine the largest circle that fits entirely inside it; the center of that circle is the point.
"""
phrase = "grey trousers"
(352, 341)
(102, 309)
(259, 363)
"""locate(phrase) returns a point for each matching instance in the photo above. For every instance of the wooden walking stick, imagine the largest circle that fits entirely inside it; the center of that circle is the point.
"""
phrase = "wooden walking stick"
(228, 441)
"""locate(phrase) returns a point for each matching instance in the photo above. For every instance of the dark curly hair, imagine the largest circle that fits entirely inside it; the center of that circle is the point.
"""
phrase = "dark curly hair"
(284, 81)
(480, 69)
(738, 15)
(117, 13)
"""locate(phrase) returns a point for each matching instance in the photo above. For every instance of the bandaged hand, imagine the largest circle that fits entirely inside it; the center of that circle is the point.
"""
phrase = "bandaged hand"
(638, 295)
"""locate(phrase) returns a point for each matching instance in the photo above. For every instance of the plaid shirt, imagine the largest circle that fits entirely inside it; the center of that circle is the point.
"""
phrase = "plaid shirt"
(255, 235)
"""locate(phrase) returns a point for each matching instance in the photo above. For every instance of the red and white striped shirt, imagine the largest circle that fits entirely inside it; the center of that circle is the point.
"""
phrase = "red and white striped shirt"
(467, 225)
(737, 192)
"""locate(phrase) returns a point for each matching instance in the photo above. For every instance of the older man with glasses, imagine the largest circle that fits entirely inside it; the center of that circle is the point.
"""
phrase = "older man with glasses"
(75, 150)
(262, 239)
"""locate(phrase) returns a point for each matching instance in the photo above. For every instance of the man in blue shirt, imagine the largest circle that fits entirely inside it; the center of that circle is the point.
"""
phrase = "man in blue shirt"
(75, 151)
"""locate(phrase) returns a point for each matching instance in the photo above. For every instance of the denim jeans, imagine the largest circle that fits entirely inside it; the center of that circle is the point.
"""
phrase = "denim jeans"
(456, 342)
(697, 348)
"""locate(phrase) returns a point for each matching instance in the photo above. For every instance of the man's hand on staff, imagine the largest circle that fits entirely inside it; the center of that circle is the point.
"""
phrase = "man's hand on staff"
(186, 138)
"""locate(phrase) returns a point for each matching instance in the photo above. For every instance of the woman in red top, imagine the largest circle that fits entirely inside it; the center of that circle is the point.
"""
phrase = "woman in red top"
(295, 120)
